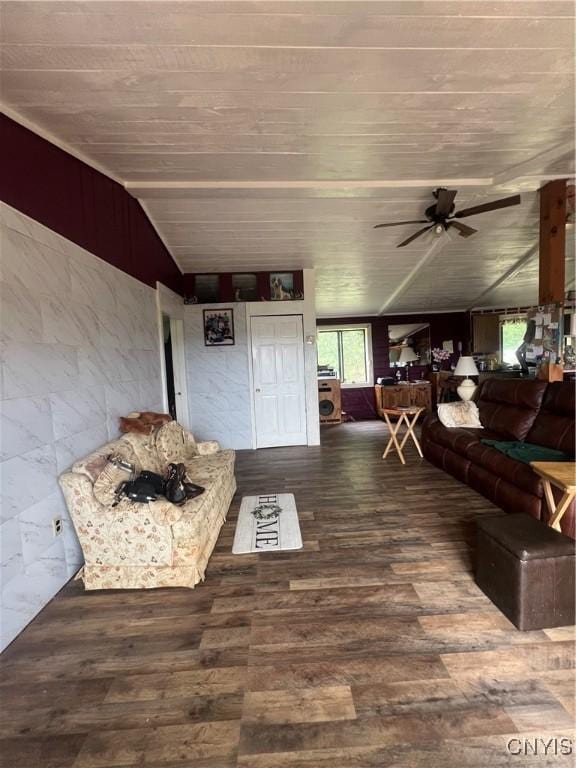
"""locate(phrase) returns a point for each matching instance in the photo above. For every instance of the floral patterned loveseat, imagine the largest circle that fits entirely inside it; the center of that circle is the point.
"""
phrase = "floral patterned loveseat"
(135, 546)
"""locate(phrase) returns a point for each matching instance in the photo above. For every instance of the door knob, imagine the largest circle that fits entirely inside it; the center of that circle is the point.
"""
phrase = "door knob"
(257, 390)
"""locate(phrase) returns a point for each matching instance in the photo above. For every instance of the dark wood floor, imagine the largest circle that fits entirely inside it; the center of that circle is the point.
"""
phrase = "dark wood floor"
(371, 647)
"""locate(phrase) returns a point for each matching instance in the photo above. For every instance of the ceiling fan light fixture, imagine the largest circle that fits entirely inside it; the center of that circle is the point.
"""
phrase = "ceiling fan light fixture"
(442, 217)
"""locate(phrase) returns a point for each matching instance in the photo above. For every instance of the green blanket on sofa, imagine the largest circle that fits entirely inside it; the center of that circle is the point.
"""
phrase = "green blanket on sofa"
(527, 452)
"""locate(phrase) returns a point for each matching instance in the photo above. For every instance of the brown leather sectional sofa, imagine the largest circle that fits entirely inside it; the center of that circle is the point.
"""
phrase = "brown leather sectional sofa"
(510, 409)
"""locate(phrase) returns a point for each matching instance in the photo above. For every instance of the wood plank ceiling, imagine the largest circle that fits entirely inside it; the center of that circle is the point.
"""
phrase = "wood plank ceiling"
(275, 134)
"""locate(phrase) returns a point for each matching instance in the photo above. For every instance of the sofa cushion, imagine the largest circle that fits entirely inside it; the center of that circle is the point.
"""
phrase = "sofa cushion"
(554, 424)
(455, 438)
(509, 407)
(515, 472)
(143, 447)
(106, 484)
(174, 444)
(202, 469)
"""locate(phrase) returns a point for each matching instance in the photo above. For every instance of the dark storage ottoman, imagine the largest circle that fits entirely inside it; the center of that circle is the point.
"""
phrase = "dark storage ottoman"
(527, 569)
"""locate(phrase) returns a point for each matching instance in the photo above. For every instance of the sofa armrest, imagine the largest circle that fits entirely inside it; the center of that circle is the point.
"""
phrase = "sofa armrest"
(429, 421)
(208, 447)
(125, 534)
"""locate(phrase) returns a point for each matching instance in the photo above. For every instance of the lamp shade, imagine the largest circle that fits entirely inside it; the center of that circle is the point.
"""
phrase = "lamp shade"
(466, 367)
(407, 355)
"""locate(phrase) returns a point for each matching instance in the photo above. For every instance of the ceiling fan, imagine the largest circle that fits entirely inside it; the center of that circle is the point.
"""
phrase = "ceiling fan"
(441, 216)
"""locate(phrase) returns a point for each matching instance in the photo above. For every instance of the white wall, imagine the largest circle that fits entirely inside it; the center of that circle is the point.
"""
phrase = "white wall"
(219, 378)
(80, 346)
(169, 303)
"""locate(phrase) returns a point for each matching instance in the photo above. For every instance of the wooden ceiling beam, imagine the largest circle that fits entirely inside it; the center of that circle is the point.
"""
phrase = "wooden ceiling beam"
(508, 275)
(144, 188)
(537, 164)
(551, 278)
(411, 276)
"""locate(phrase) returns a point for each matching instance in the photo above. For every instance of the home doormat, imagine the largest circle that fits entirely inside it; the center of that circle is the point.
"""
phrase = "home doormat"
(267, 523)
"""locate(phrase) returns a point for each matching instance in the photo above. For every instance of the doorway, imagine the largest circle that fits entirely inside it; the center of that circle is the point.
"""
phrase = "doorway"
(169, 366)
(279, 380)
(175, 369)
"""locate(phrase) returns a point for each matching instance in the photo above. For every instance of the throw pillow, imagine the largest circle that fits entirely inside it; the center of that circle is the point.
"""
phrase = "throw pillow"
(116, 472)
(462, 414)
(92, 465)
(143, 423)
(174, 445)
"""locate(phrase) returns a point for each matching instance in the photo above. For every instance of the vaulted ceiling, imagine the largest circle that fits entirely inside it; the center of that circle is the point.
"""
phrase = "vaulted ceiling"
(275, 134)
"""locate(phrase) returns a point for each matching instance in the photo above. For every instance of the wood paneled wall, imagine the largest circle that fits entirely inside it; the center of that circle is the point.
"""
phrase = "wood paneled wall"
(81, 204)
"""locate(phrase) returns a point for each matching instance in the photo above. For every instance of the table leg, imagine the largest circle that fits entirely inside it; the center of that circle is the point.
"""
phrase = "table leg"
(390, 442)
(393, 439)
(549, 496)
(558, 513)
(410, 433)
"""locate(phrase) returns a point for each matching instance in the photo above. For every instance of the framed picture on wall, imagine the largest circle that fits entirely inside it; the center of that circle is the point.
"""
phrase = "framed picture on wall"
(281, 286)
(218, 327)
(245, 287)
(207, 289)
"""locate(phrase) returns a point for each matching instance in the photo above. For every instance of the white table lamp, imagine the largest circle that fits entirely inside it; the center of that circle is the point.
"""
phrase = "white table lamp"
(407, 355)
(466, 367)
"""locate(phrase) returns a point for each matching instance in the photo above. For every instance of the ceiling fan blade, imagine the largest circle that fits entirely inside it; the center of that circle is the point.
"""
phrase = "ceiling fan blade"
(414, 236)
(445, 200)
(400, 223)
(505, 202)
(463, 229)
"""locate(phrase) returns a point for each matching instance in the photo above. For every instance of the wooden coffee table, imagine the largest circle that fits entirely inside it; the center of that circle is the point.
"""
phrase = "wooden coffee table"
(407, 416)
(561, 474)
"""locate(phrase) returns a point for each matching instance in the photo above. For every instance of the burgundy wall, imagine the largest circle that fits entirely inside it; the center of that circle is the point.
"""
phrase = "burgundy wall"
(455, 326)
(81, 204)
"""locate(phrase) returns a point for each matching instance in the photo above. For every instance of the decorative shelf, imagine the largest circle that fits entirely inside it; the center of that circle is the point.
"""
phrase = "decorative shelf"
(226, 287)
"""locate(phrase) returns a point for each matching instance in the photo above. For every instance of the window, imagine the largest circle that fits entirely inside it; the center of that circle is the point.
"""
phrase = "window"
(347, 349)
(511, 337)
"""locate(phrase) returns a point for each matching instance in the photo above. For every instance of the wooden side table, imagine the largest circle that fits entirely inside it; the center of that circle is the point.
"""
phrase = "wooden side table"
(407, 416)
(561, 474)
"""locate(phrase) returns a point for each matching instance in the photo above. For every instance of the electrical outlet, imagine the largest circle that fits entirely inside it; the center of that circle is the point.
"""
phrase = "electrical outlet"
(57, 526)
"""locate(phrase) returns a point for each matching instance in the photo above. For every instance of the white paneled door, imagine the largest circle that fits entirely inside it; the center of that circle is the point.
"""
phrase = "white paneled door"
(278, 372)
